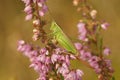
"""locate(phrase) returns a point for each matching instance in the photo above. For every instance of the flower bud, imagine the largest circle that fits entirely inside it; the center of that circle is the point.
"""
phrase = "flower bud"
(28, 9)
(105, 25)
(93, 14)
(106, 51)
(36, 22)
(75, 2)
(36, 31)
(28, 17)
(35, 37)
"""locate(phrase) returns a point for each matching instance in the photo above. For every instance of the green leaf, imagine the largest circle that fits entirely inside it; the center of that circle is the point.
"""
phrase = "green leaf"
(99, 41)
(113, 78)
(99, 44)
(62, 39)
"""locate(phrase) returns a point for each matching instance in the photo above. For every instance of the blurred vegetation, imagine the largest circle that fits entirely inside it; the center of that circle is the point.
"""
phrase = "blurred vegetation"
(14, 66)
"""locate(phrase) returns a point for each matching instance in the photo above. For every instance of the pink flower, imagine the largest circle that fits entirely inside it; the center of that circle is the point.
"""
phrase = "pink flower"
(82, 31)
(26, 49)
(29, 17)
(42, 62)
(41, 1)
(63, 69)
(45, 69)
(35, 37)
(85, 55)
(71, 76)
(78, 46)
(81, 27)
(33, 53)
(54, 58)
(42, 77)
(43, 51)
(27, 2)
(74, 75)
(21, 42)
(105, 25)
(41, 58)
(43, 10)
(79, 73)
(57, 66)
(108, 62)
(106, 51)
(94, 65)
(97, 70)
(72, 56)
(93, 59)
(48, 60)
(67, 59)
(41, 13)
(28, 9)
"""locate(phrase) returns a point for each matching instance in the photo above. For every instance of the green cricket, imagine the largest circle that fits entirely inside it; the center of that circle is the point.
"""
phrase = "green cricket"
(61, 38)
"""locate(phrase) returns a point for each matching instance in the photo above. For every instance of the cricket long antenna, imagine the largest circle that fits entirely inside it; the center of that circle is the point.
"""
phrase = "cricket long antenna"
(50, 13)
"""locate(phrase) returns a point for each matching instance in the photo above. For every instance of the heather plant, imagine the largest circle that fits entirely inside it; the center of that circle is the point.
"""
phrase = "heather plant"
(53, 61)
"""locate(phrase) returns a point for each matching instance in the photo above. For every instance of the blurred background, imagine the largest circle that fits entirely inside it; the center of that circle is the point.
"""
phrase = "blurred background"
(14, 66)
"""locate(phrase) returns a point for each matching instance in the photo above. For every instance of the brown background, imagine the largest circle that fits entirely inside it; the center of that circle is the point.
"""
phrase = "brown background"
(14, 66)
